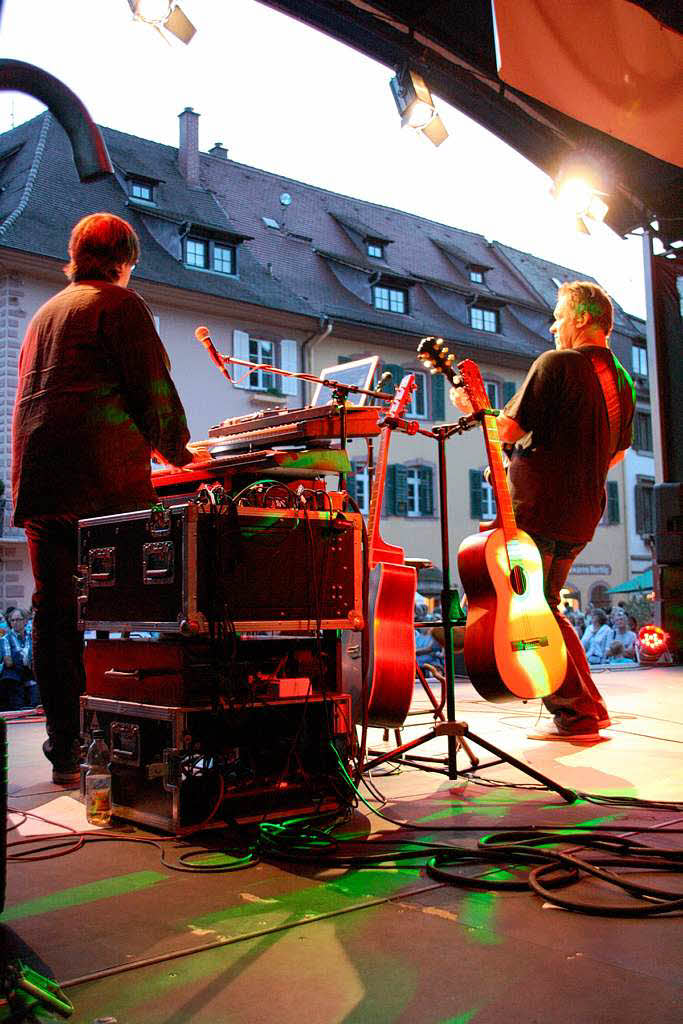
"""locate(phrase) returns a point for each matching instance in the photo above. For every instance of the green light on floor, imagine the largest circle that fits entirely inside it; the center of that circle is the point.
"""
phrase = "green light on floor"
(462, 1018)
(105, 889)
(477, 914)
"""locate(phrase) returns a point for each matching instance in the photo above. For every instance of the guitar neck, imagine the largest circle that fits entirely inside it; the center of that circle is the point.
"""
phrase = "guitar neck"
(377, 494)
(494, 451)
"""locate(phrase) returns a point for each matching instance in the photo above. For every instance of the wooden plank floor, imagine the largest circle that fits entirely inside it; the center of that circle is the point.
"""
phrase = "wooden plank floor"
(288, 942)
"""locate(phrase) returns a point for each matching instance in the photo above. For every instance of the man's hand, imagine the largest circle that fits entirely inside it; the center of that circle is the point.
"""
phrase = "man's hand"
(458, 397)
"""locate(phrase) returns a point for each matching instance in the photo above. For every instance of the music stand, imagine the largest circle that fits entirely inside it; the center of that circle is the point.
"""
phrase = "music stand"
(452, 615)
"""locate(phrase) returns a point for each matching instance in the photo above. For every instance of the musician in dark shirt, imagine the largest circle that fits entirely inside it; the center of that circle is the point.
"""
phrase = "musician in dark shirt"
(565, 443)
(94, 400)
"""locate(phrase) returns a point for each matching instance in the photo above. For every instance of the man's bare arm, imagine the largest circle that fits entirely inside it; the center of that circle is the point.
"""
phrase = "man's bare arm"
(509, 430)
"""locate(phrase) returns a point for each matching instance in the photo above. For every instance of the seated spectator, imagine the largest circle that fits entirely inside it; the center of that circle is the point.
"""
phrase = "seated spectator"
(12, 676)
(596, 638)
(623, 635)
(579, 623)
(19, 651)
(616, 655)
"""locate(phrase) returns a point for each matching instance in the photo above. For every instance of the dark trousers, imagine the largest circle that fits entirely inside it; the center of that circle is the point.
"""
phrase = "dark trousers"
(577, 705)
(57, 643)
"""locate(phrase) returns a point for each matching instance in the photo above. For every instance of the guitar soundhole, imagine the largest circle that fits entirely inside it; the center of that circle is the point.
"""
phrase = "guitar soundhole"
(518, 579)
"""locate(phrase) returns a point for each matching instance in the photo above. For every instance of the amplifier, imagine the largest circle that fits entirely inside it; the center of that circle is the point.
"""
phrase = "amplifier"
(178, 569)
(174, 767)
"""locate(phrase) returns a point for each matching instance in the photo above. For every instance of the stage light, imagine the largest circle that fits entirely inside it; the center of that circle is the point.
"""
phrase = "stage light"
(652, 642)
(581, 187)
(163, 15)
(416, 106)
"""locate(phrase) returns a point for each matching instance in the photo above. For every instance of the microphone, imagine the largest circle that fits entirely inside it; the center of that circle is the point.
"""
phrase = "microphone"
(202, 334)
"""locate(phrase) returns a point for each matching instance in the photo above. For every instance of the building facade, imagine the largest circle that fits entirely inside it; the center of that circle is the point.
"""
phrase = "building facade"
(288, 275)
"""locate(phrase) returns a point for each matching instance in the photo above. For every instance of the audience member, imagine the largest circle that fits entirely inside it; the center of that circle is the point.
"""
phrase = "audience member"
(596, 638)
(12, 677)
(616, 655)
(623, 635)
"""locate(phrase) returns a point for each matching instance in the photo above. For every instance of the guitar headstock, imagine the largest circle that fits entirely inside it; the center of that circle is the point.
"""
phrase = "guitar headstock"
(402, 396)
(473, 384)
(434, 353)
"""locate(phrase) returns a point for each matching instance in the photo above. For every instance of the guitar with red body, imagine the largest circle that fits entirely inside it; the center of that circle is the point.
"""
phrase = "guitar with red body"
(513, 643)
(391, 599)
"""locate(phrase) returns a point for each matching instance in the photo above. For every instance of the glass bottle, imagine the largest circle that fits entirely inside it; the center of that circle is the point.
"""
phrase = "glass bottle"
(98, 781)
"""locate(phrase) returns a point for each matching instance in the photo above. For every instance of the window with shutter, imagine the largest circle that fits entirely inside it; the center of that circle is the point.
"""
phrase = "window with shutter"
(396, 491)
(289, 360)
(476, 481)
(509, 388)
(426, 490)
(438, 397)
(240, 350)
(612, 501)
(418, 400)
(644, 494)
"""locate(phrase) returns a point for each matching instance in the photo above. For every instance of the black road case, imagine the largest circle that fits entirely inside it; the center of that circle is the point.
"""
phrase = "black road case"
(176, 569)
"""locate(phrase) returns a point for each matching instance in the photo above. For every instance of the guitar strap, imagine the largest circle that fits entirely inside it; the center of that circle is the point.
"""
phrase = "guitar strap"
(610, 396)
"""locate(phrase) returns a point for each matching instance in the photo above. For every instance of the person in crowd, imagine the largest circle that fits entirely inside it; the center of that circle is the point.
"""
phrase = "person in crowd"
(579, 624)
(597, 638)
(623, 635)
(616, 655)
(13, 666)
(570, 422)
(95, 399)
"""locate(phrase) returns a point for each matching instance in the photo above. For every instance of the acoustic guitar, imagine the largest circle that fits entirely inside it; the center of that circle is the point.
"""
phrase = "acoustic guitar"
(513, 643)
(391, 598)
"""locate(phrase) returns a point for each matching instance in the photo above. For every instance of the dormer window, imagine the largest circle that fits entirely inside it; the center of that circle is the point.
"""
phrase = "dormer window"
(142, 191)
(224, 258)
(196, 252)
(484, 319)
(375, 248)
(209, 254)
(393, 300)
(476, 274)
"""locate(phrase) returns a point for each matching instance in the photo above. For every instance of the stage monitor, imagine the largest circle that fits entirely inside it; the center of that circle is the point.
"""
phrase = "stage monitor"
(359, 372)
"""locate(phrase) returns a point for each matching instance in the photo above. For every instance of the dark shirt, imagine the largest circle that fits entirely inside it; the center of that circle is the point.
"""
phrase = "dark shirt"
(94, 398)
(557, 474)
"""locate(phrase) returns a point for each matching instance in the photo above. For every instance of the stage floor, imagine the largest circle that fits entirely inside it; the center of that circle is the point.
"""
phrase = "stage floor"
(140, 943)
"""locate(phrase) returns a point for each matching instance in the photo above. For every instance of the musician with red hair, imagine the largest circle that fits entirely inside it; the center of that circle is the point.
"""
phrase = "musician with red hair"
(94, 400)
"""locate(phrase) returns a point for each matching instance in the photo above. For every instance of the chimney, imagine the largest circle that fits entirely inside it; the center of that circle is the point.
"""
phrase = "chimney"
(188, 151)
(219, 150)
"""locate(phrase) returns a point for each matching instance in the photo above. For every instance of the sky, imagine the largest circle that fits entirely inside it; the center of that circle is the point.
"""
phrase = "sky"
(285, 98)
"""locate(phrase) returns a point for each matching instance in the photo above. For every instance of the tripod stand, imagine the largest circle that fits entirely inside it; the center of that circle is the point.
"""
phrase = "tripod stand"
(456, 733)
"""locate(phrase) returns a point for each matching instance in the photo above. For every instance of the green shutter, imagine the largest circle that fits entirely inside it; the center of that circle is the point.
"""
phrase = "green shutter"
(426, 490)
(509, 388)
(401, 492)
(475, 493)
(389, 492)
(612, 501)
(438, 399)
(397, 374)
(351, 482)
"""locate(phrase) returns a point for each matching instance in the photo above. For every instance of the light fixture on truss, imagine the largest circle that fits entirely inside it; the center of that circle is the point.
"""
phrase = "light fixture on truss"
(164, 16)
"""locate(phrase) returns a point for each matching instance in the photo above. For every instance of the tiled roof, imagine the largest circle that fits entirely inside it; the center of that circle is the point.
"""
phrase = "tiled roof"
(58, 199)
(309, 264)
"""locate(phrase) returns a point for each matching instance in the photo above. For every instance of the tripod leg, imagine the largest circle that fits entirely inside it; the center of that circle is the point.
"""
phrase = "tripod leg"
(568, 795)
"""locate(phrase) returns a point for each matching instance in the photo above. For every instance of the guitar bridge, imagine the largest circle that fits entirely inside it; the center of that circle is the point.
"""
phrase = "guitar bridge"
(529, 645)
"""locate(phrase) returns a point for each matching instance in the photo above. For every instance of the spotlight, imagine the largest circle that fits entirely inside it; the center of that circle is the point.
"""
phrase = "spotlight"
(163, 14)
(416, 106)
(652, 643)
(580, 188)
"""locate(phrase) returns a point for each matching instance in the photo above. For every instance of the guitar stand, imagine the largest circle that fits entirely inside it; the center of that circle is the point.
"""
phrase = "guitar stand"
(457, 733)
